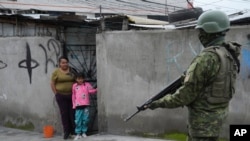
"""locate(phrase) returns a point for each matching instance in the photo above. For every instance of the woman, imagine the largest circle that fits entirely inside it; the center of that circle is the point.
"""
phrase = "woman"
(62, 80)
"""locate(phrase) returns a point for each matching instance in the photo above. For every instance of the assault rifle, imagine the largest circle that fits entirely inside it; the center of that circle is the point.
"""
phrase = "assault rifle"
(170, 89)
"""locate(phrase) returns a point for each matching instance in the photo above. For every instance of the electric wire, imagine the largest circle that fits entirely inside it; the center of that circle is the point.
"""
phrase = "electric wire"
(117, 6)
(129, 6)
(217, 4)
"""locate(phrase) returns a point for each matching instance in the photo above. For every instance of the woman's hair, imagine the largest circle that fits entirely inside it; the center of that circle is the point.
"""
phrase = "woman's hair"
(63, 57)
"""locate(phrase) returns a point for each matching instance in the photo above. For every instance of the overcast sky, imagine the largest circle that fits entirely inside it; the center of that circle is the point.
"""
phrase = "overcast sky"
(229, 6)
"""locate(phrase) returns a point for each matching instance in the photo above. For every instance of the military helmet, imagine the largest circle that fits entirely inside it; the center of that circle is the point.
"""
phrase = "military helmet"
(213, 21)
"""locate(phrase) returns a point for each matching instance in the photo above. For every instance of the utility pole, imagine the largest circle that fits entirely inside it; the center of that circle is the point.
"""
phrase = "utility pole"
(101, 11)
(166, 7)
(102, 19)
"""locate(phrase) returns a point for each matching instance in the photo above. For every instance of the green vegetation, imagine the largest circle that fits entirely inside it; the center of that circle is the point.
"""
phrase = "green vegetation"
(177, 136)
(180, 136)
(27, 126)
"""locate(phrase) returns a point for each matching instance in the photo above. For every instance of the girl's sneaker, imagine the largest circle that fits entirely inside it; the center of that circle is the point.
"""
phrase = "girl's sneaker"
(84, 135)
(77, 137)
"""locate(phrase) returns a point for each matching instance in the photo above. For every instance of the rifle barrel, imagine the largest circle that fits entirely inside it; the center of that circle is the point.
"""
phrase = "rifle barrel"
(128, 118)
(170, 89)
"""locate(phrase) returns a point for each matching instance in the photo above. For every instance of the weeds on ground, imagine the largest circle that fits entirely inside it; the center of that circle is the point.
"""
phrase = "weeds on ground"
(175, 136)
(180, 137)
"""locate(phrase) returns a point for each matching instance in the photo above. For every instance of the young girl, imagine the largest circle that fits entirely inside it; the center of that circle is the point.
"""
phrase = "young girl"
(80, 99)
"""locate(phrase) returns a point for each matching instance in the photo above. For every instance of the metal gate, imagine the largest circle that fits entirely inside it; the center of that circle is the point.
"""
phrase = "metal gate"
(83, 59)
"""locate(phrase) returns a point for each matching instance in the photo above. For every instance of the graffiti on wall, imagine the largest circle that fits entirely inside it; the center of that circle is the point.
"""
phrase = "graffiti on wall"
(2, 65)
(173, 59)
(28, 62)
(52, 45)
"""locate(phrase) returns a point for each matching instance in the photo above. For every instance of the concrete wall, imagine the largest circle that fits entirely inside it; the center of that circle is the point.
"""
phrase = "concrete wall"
(26, 64)
(132, 66)
(26, 99)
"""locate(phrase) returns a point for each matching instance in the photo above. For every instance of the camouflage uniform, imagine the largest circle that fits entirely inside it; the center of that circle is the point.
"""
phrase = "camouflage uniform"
(207, 100)
(207, 88)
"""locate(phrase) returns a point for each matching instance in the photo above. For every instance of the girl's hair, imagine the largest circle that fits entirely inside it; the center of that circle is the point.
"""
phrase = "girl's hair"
(79, 75)
(63, 57)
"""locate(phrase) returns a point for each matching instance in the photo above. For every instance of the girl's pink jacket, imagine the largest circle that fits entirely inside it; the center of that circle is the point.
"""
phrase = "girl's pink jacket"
(80, 94)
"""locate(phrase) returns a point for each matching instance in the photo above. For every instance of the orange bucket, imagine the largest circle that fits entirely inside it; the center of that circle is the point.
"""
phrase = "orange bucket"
(48, 131)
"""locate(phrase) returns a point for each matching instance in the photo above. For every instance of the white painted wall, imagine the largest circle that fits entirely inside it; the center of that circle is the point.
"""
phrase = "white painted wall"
(26, 64)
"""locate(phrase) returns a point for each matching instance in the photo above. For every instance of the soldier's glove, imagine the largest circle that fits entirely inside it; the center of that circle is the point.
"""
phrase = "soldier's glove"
(142, 108)
(152, 106)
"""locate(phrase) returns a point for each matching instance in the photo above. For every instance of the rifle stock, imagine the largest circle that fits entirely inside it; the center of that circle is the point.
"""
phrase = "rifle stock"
(170, 89)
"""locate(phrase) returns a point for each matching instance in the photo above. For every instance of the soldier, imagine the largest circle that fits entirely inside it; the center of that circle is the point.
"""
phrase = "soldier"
(209, 83)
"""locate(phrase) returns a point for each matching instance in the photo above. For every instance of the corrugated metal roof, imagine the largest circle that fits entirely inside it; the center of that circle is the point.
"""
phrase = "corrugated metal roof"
(146, 21)
(170, 27)
(132, 7)
(239, 15)
(46, 6)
